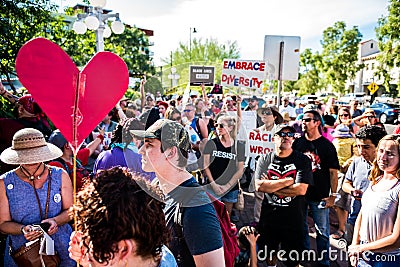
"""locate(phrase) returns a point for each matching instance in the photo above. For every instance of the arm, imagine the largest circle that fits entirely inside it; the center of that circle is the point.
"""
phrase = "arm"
(357, 120)
(334, 183)
(293, 190)
(212, 258)
(203, 128)
(67, 201)
(238, 174)
(96, 142)
(7, 95)
(271, 186)
(203, 91)
(142, 96)
(121, 113)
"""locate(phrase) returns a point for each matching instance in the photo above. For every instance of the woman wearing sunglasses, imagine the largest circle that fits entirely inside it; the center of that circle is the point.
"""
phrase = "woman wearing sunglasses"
(224, 161)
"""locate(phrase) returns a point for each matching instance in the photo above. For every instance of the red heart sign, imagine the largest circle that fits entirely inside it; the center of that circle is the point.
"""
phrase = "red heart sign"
(74, 101)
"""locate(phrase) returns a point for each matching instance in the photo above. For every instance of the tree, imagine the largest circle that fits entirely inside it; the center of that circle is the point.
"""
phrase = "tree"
(310, 80)
(26, 19)
(209, 52)
(340, 55)
(20, 21)
(389, 42)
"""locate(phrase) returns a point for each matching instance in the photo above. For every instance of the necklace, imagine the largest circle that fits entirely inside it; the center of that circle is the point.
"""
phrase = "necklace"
(30, 176)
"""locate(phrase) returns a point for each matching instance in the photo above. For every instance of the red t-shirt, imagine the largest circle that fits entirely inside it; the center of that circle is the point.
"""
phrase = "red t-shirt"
(81, 172)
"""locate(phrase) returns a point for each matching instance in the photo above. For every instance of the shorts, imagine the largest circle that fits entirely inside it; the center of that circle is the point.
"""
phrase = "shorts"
(231, 196)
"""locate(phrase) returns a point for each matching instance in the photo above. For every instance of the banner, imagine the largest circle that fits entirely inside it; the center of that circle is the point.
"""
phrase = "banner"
(243, 73)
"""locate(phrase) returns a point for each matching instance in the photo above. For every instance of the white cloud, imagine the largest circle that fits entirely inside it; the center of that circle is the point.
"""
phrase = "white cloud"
(247, 22)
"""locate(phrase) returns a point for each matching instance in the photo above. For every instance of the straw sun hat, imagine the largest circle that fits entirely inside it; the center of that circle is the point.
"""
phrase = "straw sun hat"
(29, 147)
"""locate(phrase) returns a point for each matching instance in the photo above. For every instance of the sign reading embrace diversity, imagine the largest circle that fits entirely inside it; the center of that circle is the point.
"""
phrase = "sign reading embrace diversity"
(243, 73)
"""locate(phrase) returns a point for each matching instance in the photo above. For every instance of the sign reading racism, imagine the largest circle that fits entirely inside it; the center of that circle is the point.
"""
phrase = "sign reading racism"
(243, 73)
(260, 143)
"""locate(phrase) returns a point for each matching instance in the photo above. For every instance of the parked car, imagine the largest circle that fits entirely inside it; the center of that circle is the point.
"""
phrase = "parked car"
(384, 99)
(387, 112)
(305, 99)
(360, 96)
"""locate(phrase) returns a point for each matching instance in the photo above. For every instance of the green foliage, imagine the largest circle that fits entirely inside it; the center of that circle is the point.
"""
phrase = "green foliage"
(207, 53)
(24, 20)
(310, 78)
(20, 21)
(340, 54)
(388, 35)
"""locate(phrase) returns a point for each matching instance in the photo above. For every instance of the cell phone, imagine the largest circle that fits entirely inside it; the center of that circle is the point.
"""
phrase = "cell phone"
(45, 226)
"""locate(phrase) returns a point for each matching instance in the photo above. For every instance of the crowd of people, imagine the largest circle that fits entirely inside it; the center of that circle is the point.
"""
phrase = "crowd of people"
(144, 197)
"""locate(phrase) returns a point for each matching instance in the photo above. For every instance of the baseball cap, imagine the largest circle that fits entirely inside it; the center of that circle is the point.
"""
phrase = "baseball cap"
(57, 139)
(280, 127)
(170, 133)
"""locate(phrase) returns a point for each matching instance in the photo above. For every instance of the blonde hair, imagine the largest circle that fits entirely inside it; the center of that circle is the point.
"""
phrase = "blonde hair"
(231, 121)
(376, 172)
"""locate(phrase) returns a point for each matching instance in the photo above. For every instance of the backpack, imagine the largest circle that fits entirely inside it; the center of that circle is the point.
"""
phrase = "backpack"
(228, 230)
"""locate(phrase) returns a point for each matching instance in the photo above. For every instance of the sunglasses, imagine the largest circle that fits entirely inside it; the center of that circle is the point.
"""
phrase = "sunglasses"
(187, 110)
(220, 125)
(266, 113)
(308, 119)
(371, 117)
(343, 115)
(284, 134)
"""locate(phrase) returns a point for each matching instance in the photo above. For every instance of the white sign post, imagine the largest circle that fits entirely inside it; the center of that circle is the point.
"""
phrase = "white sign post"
(283, 55)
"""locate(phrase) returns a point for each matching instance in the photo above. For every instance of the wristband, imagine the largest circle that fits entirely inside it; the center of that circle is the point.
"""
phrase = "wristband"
(333, 194)
(101, 137)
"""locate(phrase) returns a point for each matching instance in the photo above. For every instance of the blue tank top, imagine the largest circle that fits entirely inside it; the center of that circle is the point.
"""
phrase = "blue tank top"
(24, 209)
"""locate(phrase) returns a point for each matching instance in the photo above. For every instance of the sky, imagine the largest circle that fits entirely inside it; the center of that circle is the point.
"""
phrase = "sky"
(246, 22)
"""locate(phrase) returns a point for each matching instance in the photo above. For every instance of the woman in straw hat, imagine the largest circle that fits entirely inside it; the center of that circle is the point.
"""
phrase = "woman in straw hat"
(34, 193)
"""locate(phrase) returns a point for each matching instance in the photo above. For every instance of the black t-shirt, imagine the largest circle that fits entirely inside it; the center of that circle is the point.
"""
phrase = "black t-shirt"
(223, 160)
(323, 157)
(296, 166)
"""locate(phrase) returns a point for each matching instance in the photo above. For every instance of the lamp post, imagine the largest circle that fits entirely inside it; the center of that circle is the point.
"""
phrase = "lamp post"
(190, 42)
(97, 21)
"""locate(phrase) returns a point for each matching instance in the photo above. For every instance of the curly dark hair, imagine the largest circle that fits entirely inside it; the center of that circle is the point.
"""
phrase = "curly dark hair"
(116, 206)
(371, 132)
(121, 134)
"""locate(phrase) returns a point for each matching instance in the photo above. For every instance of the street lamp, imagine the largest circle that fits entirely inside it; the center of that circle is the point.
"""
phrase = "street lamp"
(97, 21)
(190, 42)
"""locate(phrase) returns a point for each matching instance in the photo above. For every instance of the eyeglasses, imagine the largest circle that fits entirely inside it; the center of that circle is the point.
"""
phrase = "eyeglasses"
(284, 134)
(343, 115)
(187, 110)
(220, 125)
(308, 119)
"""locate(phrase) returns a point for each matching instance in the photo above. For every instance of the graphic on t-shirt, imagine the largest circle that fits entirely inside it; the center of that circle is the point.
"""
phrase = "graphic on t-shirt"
(315, 160)
(276, 172)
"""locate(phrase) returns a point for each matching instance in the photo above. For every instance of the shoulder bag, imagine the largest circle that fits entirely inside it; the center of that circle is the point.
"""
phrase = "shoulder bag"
(30, 256)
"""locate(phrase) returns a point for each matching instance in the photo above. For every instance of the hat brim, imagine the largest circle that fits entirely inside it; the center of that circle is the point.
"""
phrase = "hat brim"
(338, 135)
(287, 127)
(142, 134)
(30, 155)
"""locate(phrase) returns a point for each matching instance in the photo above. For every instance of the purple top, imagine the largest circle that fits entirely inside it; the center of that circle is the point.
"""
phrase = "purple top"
(123, 158)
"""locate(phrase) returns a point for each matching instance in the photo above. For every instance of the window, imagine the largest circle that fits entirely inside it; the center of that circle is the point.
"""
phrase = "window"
(372, 66)
(372, 45)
